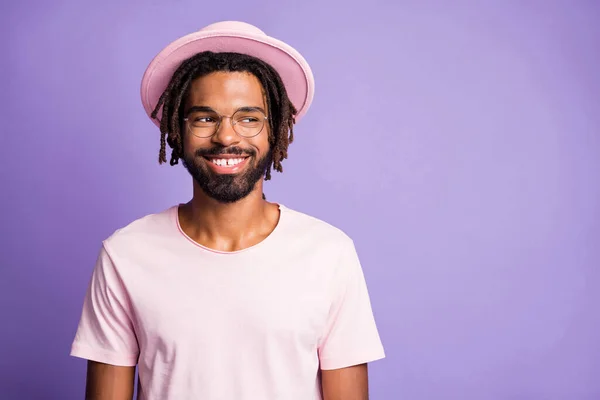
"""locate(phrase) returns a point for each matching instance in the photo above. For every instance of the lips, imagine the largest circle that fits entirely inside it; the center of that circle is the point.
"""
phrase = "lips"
(226, 163)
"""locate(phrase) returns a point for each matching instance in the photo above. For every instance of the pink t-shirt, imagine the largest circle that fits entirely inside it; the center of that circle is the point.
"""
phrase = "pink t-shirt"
(247, 325)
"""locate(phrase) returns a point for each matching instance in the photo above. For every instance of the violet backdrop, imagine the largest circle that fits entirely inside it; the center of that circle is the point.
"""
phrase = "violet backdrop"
(457, 142)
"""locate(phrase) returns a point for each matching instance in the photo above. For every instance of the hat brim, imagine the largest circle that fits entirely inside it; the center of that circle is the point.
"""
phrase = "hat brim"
(288, 62)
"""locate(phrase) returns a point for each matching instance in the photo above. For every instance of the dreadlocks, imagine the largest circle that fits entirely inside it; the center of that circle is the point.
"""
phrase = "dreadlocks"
(281, 111)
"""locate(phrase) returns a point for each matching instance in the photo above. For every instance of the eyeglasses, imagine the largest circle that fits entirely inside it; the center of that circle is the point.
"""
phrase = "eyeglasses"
(205, 122)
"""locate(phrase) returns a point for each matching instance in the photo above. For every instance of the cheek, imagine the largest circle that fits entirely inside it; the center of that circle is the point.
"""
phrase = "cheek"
(191, 144)
(264, 141)
(187, 147)
(261, 144)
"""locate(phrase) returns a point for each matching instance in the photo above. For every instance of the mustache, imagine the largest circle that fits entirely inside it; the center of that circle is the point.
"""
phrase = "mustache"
(216, 151)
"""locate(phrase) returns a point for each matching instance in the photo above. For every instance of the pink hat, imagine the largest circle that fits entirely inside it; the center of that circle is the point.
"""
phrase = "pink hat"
(231, 36)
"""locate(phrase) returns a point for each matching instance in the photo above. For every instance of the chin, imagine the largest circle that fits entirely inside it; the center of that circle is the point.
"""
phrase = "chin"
(225, 188)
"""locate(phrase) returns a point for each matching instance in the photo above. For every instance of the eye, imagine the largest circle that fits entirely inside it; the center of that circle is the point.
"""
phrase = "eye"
(202, 120)
(247, 119)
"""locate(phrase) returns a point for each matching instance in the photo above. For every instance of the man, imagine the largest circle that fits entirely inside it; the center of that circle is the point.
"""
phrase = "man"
(227, 296)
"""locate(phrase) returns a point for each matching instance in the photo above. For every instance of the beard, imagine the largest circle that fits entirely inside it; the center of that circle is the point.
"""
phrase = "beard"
(226, 188)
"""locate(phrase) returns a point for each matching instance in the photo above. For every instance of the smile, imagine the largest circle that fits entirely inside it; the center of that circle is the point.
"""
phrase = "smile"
(226, 162)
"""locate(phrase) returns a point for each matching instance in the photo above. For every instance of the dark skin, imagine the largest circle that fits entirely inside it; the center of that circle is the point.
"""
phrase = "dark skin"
(226, 227)
(351, 383)
(109, 382)
(239, 225)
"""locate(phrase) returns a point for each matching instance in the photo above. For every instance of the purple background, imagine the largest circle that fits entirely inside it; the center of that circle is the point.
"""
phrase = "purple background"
(456, 142)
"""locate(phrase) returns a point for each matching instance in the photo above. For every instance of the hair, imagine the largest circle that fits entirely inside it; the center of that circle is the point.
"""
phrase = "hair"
(281, 112)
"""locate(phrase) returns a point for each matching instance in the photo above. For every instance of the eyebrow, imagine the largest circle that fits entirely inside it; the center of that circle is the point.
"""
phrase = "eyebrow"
(209, 109)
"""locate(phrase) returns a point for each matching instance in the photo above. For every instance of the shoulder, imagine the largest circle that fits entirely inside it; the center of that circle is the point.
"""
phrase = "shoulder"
(145, 231)
(308, 227)
(322, 244)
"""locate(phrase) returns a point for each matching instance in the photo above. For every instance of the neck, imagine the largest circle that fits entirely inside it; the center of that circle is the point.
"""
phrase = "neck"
(228, 226)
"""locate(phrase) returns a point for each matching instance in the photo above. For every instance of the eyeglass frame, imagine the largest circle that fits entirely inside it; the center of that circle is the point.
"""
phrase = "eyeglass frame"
(220, 120)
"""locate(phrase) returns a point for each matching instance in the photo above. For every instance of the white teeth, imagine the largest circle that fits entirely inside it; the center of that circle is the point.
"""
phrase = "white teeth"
(229, 162)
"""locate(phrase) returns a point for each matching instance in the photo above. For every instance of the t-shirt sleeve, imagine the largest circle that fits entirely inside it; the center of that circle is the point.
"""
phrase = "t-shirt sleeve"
(105, 332)
(351, 335)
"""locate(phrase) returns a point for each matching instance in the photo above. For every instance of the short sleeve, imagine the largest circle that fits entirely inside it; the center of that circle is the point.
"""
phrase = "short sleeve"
(105, 332)
(351, 335)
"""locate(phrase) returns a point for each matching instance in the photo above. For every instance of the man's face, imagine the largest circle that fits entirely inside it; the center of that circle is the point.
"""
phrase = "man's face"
(214, 162)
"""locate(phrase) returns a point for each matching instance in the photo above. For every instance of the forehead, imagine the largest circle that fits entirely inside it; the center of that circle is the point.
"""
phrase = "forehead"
(226, 91)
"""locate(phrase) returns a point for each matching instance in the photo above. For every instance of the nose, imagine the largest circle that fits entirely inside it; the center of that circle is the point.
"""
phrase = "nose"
(225, 135)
